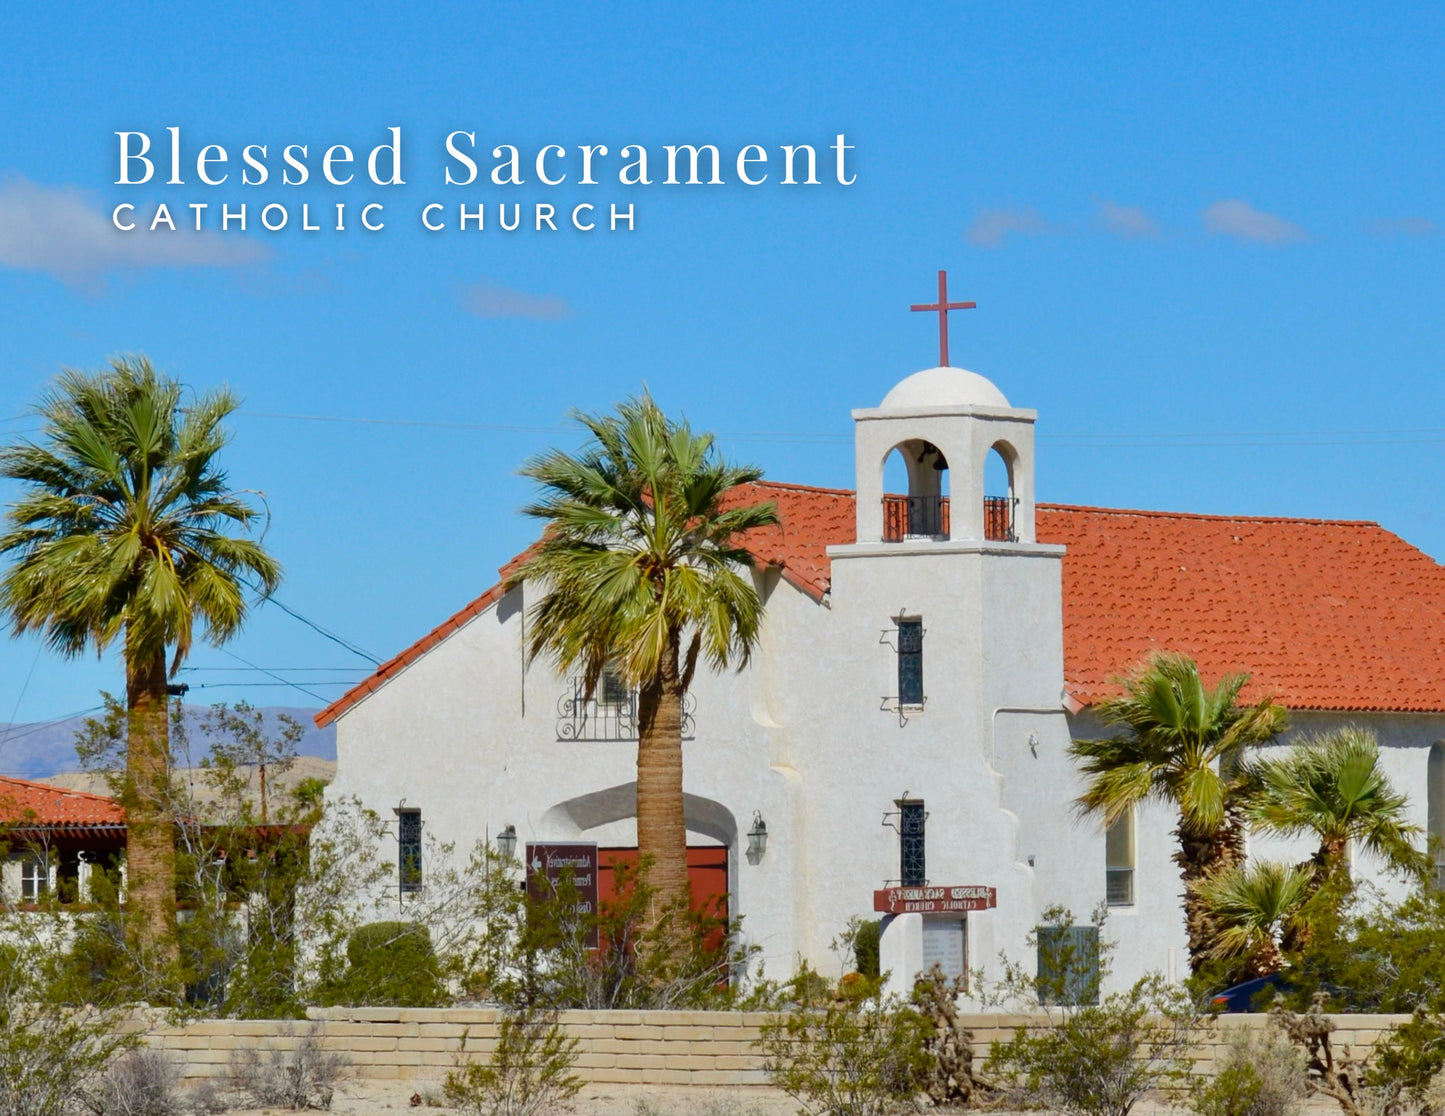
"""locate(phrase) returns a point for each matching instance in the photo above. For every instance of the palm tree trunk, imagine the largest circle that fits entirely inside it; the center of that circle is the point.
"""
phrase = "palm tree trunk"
(661, 830)
(1202, 853)
(150, 837)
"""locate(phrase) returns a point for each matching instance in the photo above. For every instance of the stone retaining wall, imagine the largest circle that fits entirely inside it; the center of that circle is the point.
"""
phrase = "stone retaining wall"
(629, 1047)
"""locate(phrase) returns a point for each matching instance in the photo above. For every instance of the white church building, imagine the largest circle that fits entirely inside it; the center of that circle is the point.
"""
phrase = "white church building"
(924, 662)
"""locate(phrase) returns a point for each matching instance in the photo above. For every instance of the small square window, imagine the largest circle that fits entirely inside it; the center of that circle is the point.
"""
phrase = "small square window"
(612, 690)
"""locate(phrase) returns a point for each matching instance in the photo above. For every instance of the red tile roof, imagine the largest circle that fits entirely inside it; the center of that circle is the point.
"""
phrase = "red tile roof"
(26, 805)
(1323, 614)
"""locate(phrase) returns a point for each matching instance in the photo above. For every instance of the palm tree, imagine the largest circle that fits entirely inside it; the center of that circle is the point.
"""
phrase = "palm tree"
(641, 572)
(1253, 907)
(121, 534)
(1181, 745)
(1331, 788)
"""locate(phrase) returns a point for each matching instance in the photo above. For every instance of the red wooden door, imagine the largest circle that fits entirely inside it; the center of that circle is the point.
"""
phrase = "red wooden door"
(707, 873)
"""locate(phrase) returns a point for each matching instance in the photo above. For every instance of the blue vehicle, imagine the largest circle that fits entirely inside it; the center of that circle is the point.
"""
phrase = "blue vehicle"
(1246, 996)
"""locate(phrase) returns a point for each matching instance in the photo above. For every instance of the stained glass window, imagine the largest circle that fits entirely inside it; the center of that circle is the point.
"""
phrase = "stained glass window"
(910, 662)
(408, 857)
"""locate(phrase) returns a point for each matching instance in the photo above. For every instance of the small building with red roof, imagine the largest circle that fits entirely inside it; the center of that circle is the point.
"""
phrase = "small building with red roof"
(926, 657)
(52, 838)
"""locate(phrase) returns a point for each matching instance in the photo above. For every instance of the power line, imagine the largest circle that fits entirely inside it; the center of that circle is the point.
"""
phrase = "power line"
(273, 685)
(279, 670)
(338, 640)
(283, 681)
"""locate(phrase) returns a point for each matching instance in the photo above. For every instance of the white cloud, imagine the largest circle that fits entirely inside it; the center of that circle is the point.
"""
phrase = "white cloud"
(1237, 218)
(1404, 226)
(993, 226)
(491, 300)
(58, 231)
(1129, 221)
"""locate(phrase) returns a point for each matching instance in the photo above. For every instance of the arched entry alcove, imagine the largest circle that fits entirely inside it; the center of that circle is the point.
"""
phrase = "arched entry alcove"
(916, 492)
(609, 817)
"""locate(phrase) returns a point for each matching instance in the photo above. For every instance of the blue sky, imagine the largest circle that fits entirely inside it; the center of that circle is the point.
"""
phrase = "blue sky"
(1206, 246)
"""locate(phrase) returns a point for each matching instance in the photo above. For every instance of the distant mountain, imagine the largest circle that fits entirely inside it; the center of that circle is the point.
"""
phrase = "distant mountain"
(34, 751)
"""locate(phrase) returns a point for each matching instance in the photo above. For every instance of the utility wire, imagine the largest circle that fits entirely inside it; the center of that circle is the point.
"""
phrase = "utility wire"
(317, 628)
(283, 681)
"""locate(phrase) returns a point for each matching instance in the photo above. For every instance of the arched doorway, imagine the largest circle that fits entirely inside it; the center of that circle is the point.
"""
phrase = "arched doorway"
(609, 817)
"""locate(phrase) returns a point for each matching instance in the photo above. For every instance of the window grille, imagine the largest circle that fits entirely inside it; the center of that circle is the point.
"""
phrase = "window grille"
(408, 849)
(910, 662)
(912, 865)
(1068, 964)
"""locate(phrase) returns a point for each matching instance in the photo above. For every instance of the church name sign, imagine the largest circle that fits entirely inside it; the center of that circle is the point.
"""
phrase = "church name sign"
(549, 865)
(935, 900)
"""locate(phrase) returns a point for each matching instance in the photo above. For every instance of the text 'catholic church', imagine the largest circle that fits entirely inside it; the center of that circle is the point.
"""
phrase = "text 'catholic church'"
(899, 740)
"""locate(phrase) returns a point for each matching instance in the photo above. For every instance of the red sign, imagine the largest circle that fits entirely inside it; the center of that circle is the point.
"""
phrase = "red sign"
(548, 865)
(935, 900)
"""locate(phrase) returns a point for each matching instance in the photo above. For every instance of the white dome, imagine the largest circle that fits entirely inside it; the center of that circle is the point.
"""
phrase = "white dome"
(944, 387)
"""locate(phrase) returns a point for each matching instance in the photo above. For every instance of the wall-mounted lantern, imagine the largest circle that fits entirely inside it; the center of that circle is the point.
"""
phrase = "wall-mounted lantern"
(507, 842)
(757, 838)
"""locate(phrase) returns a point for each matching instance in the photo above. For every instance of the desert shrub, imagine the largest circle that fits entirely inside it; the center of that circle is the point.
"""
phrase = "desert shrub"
(305, 1077)
(51, 1054)
(141, 1082)
(1261, 1074)
(529, 1072)
(866, 946)
(388, 963)
(1099, 1059)
(860, 1055)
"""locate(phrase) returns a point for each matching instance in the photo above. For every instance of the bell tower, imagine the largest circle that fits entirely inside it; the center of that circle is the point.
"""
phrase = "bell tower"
(945, 420)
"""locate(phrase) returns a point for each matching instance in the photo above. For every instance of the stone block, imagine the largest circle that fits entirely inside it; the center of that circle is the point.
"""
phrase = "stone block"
(429, 1044)
(689, 1062)
(738, 1062)
(628, 1046)
(444, 1030)
(641, 1061)
(687, 1033)
(614, 1076)
(369, 1042)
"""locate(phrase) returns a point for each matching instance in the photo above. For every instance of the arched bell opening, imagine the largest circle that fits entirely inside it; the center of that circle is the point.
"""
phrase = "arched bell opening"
(916, 491)
(1000, 501)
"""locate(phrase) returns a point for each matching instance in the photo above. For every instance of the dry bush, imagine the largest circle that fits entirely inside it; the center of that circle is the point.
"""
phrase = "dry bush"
(141, 1082)
(1261, 1074)
(297, 1079)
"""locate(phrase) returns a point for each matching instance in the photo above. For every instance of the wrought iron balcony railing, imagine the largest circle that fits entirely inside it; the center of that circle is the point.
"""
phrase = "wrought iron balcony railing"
(609, 714)
(926, 517)
(915, 517)
(998, 518)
